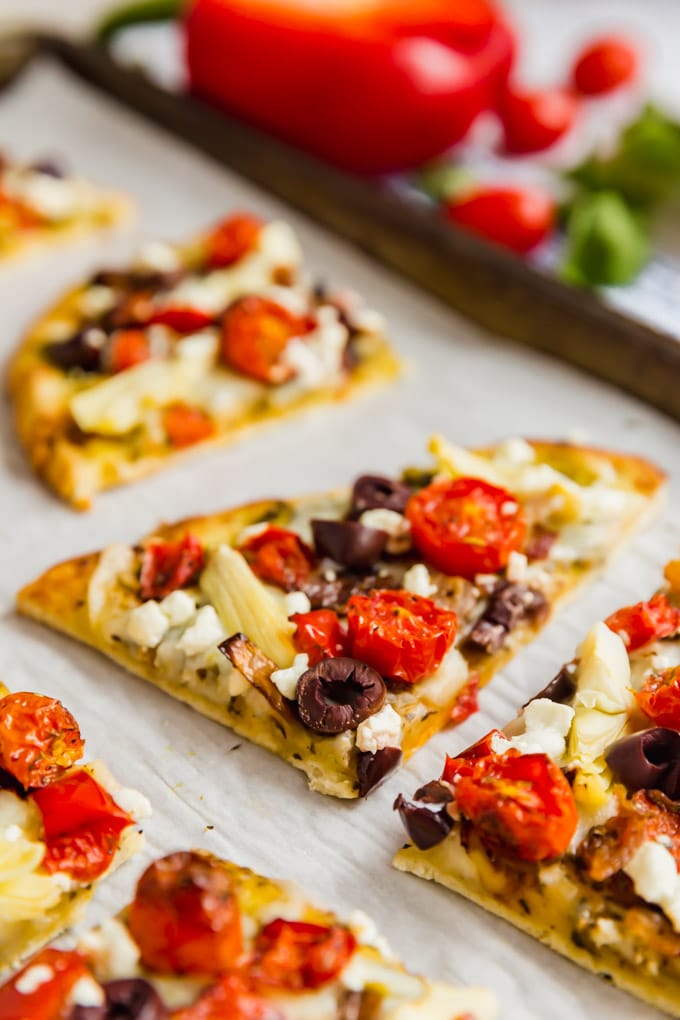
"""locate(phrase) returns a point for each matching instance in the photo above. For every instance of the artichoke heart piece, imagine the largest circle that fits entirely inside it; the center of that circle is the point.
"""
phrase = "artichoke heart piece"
(458, 462)
(603, 676)
(244, 604)
(120, 403)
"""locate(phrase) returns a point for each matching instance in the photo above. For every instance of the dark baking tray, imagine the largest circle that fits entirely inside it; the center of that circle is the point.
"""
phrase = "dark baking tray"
(497, 290)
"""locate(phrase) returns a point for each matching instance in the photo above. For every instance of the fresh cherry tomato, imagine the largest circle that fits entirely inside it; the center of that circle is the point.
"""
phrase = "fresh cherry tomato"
(466, 526)
(231, 239)
(467, 702)
(400, 635)
(185, 916)
(39, 738)
(533, 121)
(462, 764)
(604, 65)
(279, 557)
(644, 622)
(81, 826)
(520, 804)
(182, 318)
(255, 334)
(186, 425)
(128, 347)
(229, 999)
(659, 697)
(319, 634)
(295, 955)
(51, 999)
(167, 566)
(512, 217)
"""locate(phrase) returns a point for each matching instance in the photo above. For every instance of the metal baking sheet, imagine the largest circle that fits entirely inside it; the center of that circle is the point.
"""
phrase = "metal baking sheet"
(461, 381)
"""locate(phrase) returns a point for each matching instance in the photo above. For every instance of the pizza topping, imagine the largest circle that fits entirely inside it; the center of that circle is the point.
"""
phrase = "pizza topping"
(169, 565)
(562, 687)
(125, 999)
(509, 604)
(185, 916)
(278, 557)
(81, 826)
(255, 334)
(338, 694)
(659, 697)
(426, 818)
(466, 526)
(319, 634)
(348, 542)
(259, 671)
(417, 580)
(127, 348)
(467, 701)
(376, 492)
(230, 998)
(546, 726)
(146, 625)
(296, 955)
(395, 525)
(373, 767)
(401, 635)
(82, 351)
(609, 848)
(231, 239)
(382, 729)
(181, 318)
(644, 622)
(39, 739)
(42, 989)
(186, 425)
(648, 760)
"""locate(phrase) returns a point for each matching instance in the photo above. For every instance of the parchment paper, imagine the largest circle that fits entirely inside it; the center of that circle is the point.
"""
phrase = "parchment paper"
(207, 789)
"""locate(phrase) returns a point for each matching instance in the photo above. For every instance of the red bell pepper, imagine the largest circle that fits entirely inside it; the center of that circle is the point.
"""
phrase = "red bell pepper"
(369, 85)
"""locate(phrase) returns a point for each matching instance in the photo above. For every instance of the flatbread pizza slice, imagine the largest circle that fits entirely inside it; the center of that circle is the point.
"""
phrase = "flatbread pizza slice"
(567, 824)
(204, 938)
(64, 825)
(188, 347)
(42, 205)
(341, 631)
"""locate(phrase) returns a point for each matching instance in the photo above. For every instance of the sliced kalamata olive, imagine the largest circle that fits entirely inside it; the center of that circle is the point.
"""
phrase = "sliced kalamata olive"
(425, 818)
(334, 594)
(509, 604)
(376, 492)
(128, 999)
(83, 351)
(348, 542)
(338, 694)
(561, 688)
(373, 767)
(648, 761)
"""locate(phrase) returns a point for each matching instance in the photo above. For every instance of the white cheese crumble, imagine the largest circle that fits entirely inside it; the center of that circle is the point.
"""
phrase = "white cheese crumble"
(33, 979)
(515, 450)
(398, 528)
(13, 833)
(516, 570)
(204, 632)
(179, 607)
(655, 877)
(158, 257)
(146, 625)
(97, 300)
(383, 729)
(55, 198)
(202, 346)
(86, 992)
(286, 679)
(296, 602)
(133, 803)
(316, 359)
(546, 728)
(111, 949)
(417, 580)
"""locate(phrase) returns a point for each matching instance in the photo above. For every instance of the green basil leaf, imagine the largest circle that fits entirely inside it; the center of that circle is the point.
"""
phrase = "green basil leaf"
(607, 241)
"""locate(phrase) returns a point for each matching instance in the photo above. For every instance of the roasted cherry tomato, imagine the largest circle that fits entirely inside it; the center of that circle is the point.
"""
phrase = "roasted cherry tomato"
(512, 217)
(319, 634)
(128, 347)
(185, 916)
(167, 566)
(279, 557)
(229, 999)
(182, 318)
(533, 121)
(659, 697)
(39, 738)
(466, 526)
(467, 702)
(400, 635)
(255, 334)
(644, 622)
(462, 763)
(520, 804)
(232, 239)
(81, 826)
(49, 999)
(186, 425)
(295, 955)
(604, 65)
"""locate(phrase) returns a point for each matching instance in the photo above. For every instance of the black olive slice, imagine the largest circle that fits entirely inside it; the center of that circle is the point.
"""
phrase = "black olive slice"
(338, 694)
(377, 492)
(373, 767)
(649, 760)
(347, 542)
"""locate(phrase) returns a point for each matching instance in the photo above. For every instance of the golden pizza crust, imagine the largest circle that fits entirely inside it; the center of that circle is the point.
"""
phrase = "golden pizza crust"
(59, 598)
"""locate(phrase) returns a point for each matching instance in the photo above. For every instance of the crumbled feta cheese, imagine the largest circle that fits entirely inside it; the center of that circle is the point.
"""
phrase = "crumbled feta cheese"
(383, 729)
(516, 570)
(204, 632)
(286, 679)
(86, 992)
(146, 625)
(111, 949)
(397, 527)
(13, 833)
(542, 713)
(33, 979)
(366, 933)
(500, 744)
(158, 257)
(368, 320)
(55, 198)
(64, 881)
(417, 580)
(655, 877)
(278, 242)
(96, 300)
(133, 803)
(296, 602)
(317, 359)
(515, 450)
(179, 607)
(202, 346)
(293, 300)
(560, 552)
(252, 531)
